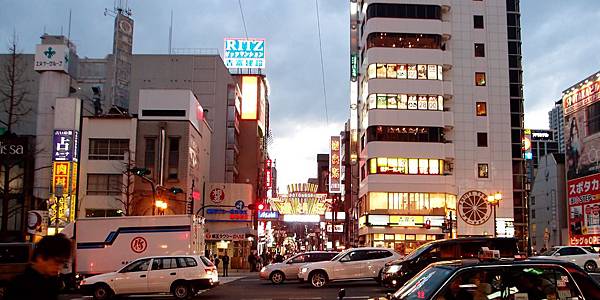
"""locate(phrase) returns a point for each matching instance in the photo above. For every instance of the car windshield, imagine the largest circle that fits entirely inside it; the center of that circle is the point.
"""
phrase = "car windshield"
(339, 255)
(415, 253)
(424, 284)
(549, 252)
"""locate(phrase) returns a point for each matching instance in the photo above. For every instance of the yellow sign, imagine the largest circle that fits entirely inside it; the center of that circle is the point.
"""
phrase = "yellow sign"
(64, 189)
(406, 220)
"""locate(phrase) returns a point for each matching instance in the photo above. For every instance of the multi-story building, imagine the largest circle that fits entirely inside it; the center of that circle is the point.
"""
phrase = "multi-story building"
(538, 142)
(557, 123)
(582, 140)
(548, 205)
(439, 120)
(174, 139)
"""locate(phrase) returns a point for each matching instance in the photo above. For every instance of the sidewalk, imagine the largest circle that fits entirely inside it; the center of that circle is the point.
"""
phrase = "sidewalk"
(237, 273)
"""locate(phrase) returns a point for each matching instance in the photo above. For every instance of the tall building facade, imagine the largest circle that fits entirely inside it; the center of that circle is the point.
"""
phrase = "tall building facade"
(557, 123)
(438, 102)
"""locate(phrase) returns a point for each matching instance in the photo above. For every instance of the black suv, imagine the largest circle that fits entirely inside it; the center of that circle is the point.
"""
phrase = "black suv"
(473, 279)
(396, 273)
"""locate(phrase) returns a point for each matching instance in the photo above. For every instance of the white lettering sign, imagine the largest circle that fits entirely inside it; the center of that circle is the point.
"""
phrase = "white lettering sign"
(52, 58)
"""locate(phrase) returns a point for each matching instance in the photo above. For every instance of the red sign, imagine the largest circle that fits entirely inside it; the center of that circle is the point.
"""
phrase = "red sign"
(217, 195)
(139, 244)
(582, 97)
(268, 174)
(334, 165)
(584, 210)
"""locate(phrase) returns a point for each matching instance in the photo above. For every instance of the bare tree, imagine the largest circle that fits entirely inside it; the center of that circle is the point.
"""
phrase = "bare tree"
(127, 196)
(13, 91)
(14, 104)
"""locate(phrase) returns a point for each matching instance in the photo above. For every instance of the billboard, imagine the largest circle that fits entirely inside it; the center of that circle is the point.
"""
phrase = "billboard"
(249, 98)
(52, 58)
(244, 53)
(123, 53)
(334, 165)
(582, 125)
(64, 145)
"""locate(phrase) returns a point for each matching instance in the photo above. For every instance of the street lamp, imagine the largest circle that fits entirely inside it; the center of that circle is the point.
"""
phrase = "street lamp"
(494, 200)
(162, 205)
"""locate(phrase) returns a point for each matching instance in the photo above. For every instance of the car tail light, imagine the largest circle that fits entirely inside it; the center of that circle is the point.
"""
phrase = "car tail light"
(209, 271)
(520, 257)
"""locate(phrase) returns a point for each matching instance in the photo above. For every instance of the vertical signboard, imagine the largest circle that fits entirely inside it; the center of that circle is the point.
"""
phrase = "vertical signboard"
(244, 53)
(582, 125)
(122, 51)
(527, 154)
(268, 174)
(334, 165)
(65, 148)
(354, 67)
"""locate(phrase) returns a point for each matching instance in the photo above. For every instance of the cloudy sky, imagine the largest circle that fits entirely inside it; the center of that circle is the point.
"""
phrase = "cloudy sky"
(560, 47)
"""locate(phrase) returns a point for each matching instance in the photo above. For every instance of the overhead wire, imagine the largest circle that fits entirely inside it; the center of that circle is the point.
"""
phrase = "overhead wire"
(322, 64)
(243, 19)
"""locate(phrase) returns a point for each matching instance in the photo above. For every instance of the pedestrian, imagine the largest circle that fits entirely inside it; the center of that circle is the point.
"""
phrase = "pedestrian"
(41, 281)
(217, 261)
(225, 264)
(252, 261)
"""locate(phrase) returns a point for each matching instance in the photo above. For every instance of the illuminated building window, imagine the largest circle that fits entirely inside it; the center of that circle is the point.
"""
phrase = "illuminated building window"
(481, 109)
(108, 149)
(404, 102)
(480, 79)
(403, 166)
(104, 184)
(482, 170)
(426, 203)
(404, 40)
(479, 50)
(405, 71)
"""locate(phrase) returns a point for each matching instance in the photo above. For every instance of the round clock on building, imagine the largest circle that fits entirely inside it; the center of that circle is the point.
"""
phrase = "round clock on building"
(474, 208)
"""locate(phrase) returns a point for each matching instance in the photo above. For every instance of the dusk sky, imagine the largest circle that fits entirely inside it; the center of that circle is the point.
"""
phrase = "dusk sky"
(560, 47)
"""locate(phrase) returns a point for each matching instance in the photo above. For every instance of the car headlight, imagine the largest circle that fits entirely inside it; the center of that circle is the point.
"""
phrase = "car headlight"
(393, 269)
(263, 269)
(303, 270)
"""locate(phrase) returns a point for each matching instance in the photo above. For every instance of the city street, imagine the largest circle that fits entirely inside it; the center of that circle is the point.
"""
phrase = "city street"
(252, 288)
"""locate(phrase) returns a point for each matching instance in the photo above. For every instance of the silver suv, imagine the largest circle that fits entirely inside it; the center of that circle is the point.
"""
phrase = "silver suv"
(288, 269)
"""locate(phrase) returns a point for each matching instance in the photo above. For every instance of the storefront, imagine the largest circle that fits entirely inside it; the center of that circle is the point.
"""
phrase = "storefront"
(237, 246)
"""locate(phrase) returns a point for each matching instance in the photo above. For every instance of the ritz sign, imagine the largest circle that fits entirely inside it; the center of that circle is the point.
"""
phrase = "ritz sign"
(244, 53)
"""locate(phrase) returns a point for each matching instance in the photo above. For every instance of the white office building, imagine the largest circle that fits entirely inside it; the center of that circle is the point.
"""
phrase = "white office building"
(439, 120)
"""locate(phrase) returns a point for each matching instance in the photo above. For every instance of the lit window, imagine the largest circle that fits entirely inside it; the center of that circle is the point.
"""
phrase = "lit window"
(381, 71)
(412, 102)
(412, 71)
(432, 71)
(392, 102)
(413, 166)
(481, 109)
(372, 71)
(422, 104)
(440, 73)
(423, 166)
(378, 200)
(434, 167)
(482, 171)
(402, 104)
(422, 71)
(391, 71)
(480, 79)
(402, 71)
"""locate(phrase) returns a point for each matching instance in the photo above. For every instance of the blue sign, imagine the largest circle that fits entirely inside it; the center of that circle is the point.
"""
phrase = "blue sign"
(64, 145)
(239, 204)
(244, 53)
(219, 211)
(266, 214)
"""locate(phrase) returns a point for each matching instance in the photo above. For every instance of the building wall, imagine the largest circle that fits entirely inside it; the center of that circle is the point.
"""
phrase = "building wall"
(557, 123)
(548, 212)
(457, 119)
(105, 128)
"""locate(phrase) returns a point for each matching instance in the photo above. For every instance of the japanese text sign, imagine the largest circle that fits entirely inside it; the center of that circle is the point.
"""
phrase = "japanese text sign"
(244, 53)
(52, 58)
(334, 165)
(64, 145)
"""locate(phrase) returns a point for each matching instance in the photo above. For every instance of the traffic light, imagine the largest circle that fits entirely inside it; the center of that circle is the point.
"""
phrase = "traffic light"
(175, 190)
(140, 171)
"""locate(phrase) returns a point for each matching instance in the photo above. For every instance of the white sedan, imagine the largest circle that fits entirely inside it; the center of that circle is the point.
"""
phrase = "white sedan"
(585, 257)
(180, 275)
(288, 270)
(355, 263)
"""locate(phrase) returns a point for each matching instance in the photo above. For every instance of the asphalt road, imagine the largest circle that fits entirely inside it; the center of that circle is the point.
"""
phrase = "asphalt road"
(252, 288)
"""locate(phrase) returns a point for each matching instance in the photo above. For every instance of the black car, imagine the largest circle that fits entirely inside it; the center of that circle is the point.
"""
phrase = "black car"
(500, 280)
(396, 273)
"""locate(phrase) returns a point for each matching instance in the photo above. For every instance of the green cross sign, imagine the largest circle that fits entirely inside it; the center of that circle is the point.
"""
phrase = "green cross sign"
(49, 53)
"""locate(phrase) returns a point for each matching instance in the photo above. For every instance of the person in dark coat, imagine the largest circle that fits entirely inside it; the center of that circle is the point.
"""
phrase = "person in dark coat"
(40, 280)
(225, 264)
(252, 262)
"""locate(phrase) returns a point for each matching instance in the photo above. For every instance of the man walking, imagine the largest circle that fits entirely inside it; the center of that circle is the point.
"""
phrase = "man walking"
(226, 265)
(252, 261)
(40, 280)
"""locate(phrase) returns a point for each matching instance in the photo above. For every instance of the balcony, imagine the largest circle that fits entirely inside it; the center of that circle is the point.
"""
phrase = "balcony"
(426, 118)
(408, 183)
(409, 86)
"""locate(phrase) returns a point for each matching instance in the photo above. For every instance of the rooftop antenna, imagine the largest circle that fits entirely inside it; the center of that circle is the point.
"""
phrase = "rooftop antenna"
(171, 33)
(69, 30)
(120, 7)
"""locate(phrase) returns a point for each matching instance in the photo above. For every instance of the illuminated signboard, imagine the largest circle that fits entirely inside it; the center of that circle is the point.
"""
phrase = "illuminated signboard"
(338, 228)
(302, 218)
(354, 66)
(334, 165)
(64, 145)
(249, 97)
(581, 162)
(526, 145)
(268, 174)
(340, 215)
(265, 214)
(505, 227)
(542, 135)
(52, 58)
(244, 53)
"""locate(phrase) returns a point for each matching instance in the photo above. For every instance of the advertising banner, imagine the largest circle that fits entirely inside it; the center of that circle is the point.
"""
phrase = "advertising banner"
(64, 145)
(52, 58)
(244, 53)
(582, 162)
(334, 166)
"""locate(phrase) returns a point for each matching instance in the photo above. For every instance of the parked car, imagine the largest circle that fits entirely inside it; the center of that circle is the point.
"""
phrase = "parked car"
(396, 273)
(355, 263)
(499, 279)
(180, 275)
(585, 257)
(14, 259)
(288, 269)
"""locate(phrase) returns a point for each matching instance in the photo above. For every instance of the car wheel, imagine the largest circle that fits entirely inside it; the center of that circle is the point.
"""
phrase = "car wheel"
(590, 266)
(277, 277)
(181, 290)
(318, 279)
(102, 292)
